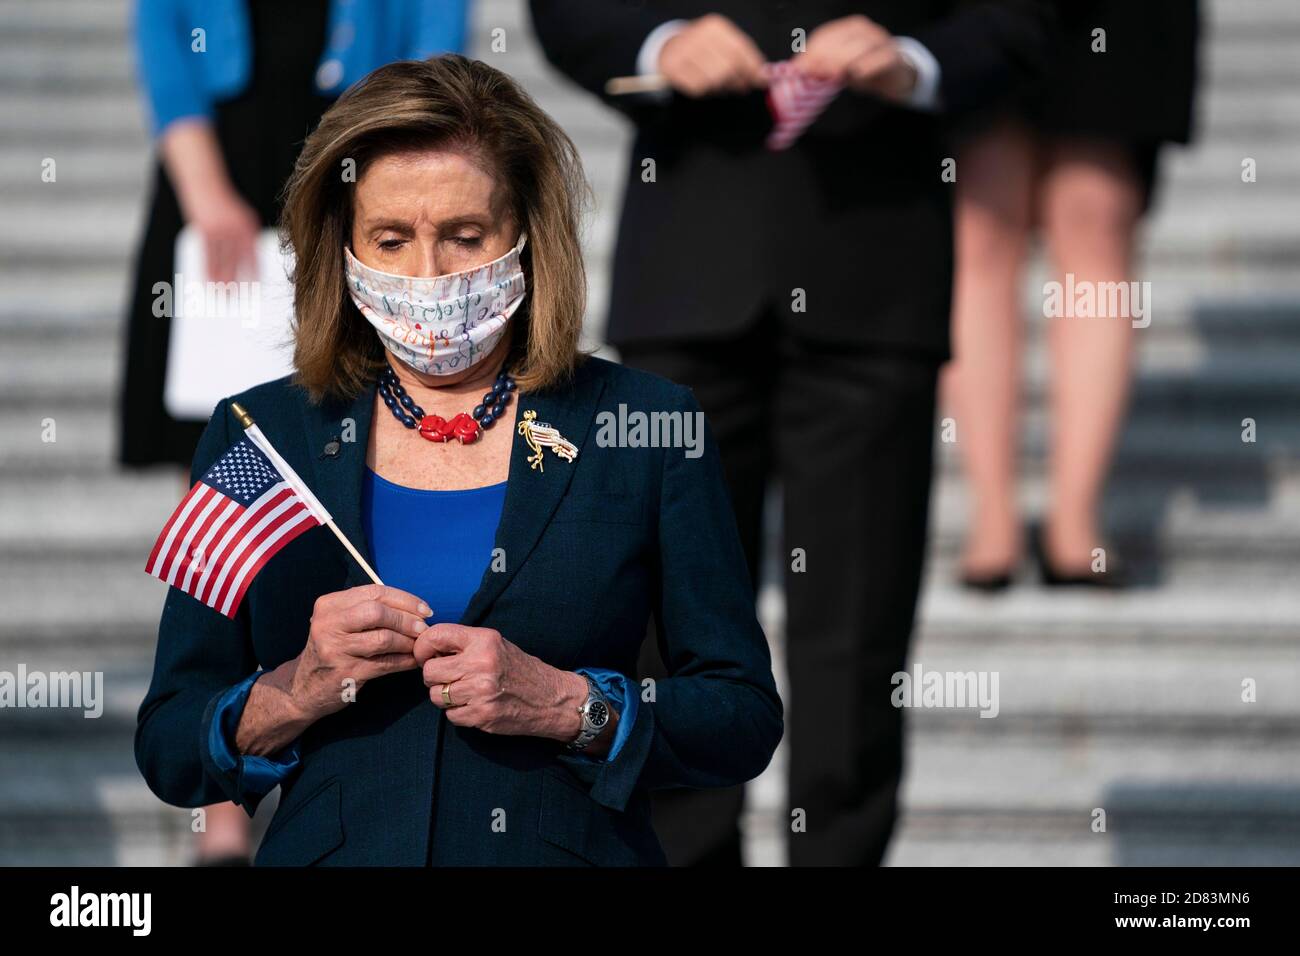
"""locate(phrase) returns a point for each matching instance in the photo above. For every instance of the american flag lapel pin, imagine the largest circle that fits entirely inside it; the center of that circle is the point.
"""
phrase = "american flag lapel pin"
(542, 435)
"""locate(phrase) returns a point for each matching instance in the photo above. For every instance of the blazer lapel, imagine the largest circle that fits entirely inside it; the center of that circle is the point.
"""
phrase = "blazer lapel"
(532, 495)
(338, 476)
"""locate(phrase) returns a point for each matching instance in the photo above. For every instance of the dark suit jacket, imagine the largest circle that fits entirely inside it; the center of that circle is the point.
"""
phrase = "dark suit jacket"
(593, 549)
(855, 213)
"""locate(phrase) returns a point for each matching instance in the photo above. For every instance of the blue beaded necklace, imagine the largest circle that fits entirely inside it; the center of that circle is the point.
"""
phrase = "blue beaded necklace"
(465, 428)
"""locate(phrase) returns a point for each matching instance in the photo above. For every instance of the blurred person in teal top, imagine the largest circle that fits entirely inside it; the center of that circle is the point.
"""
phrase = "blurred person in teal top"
(360, 36)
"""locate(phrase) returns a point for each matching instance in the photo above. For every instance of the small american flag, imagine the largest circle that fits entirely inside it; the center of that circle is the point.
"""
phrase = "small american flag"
(233, 521)
(794, 99)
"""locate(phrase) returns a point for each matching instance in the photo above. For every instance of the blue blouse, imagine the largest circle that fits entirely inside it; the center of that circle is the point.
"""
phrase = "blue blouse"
(434, 544)
(182, 81)
(444, 568)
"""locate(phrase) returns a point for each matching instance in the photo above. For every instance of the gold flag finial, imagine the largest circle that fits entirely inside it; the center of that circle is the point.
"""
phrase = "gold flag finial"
(245, 419)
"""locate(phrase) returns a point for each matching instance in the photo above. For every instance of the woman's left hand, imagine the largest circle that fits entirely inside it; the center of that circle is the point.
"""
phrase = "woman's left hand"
(496, 687)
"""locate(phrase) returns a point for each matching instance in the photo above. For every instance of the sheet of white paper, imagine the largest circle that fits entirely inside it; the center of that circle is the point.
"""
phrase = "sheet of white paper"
(226, 337)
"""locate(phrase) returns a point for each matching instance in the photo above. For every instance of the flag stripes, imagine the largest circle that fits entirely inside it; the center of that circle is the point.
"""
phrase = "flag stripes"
(794, 99)
(229, 525)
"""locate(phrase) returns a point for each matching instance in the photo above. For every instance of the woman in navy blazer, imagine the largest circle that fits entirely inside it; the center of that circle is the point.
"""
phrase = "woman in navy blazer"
(482, 706)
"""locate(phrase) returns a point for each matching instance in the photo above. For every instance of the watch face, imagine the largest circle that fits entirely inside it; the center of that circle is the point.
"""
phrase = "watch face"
(598, 713)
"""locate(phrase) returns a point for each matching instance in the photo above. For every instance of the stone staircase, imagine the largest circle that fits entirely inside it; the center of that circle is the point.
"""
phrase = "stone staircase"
(1129, 703)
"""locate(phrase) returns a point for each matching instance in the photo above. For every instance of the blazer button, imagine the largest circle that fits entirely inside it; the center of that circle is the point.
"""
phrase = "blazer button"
(332, 448)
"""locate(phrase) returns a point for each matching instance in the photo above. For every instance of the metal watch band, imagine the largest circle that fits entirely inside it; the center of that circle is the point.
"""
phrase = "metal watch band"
(588, 733)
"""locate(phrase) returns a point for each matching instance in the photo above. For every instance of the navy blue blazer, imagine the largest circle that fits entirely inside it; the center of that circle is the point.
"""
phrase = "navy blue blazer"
(594, 550)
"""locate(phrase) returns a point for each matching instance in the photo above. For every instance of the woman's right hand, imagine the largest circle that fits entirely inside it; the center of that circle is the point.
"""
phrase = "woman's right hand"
(356, 635)
(229, 227)
(209, 200)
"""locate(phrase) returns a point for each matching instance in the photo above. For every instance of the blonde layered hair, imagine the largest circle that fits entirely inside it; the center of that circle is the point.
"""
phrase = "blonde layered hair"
(446, 102)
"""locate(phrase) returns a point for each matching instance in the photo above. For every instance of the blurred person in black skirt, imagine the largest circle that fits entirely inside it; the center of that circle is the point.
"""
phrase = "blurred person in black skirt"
(233, 87)
(1075, 158)
(804, 296)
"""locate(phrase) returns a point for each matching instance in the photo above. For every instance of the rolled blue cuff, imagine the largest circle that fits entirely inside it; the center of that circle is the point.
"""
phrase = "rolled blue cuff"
(257, 775)
(623, 696)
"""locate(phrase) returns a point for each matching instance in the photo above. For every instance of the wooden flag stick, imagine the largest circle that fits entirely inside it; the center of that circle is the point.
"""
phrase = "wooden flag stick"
(353, 551)
(299, 486)
(623, 85)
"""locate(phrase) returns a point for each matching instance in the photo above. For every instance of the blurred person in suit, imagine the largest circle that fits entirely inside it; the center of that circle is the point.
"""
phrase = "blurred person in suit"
(232, 89)
(804, 296)
(1074, 157)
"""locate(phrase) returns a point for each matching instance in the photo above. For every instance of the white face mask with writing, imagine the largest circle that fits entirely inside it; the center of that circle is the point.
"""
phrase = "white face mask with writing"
(444, 324)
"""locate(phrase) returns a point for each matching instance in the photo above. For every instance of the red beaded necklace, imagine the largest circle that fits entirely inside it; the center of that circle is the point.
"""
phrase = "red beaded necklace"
(464, 427)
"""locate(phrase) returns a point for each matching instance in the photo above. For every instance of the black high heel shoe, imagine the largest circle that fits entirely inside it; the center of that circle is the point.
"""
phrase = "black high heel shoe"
(1113, 578)
(992, 581)
(987, 582)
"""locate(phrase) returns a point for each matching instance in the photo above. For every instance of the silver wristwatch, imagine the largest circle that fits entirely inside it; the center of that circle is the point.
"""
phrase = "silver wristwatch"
(595, 717)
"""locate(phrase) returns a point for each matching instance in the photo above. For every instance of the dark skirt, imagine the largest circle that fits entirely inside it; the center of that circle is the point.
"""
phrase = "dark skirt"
(1139, 93)
(260, 133)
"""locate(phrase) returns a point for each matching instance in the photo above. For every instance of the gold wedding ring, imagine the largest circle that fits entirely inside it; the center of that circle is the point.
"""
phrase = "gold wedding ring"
(446, 695)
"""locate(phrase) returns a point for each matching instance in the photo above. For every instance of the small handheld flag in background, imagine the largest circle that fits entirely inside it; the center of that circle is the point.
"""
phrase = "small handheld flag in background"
(244, 509)
(794, 99)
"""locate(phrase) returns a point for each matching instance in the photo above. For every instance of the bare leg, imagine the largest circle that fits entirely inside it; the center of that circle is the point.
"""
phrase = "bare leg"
(227, 833)
(1091, 202)
(995, 183)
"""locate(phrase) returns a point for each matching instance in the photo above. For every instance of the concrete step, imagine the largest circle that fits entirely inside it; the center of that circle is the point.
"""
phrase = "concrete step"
(1239, 46)
(48, 596)
(1235, 607)
(1207, 175)
(70, 793)
(1190, 427)
(45, 104)
(1210, 350)
(990, 765)
(1178, 374)
(1201, 175)
(1211, 838)
(1252, 232)
(81, 174)
(1232, 301)
(1208, 172)
(1192, 792)
(1154, 519)
(1115, 680)
(1178, 452)
(79, 21)
(1182, 324)
(1152, 815)
(1257, 17)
